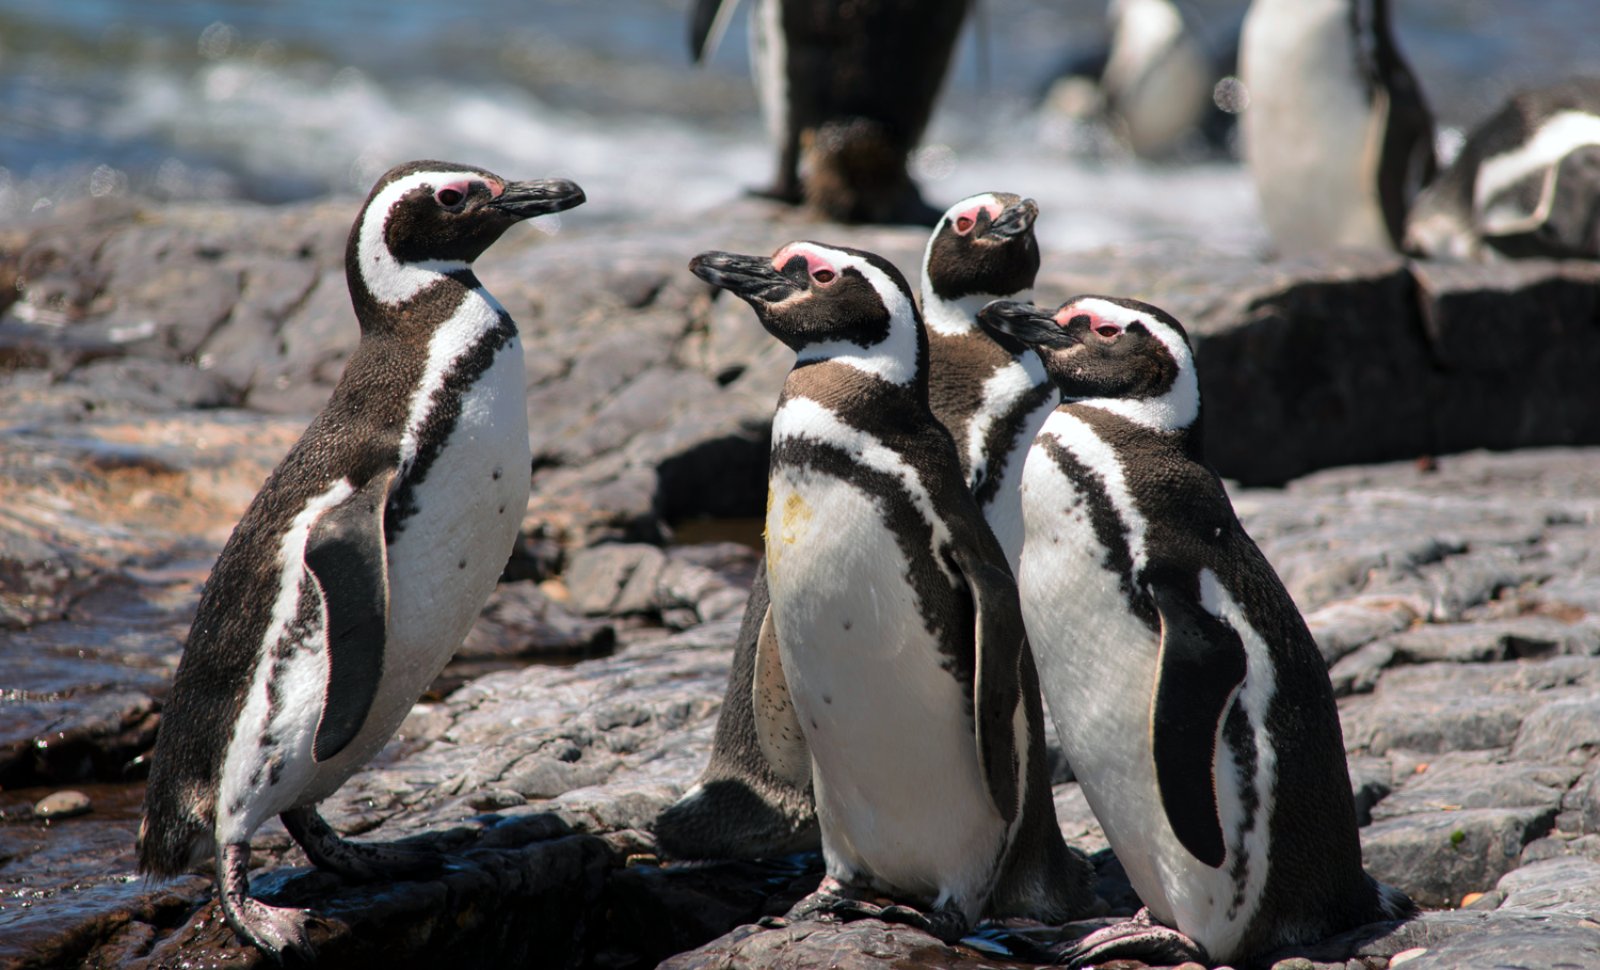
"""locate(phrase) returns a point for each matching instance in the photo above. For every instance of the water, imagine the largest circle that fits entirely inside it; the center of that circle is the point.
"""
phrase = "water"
(281, 100)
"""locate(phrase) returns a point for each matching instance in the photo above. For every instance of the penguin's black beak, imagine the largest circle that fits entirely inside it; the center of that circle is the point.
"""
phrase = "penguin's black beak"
(525, 200)
(1024, 323)
(1014, 220)
(750, 278)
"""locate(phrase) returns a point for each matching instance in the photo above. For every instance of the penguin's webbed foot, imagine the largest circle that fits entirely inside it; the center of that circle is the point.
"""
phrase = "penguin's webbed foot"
(833, 902)
(360, 861)
(1140, 938)
(278, 931)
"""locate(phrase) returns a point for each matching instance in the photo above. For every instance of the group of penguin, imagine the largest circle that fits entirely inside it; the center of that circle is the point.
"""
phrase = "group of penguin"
(971, 502)
(1323, 95)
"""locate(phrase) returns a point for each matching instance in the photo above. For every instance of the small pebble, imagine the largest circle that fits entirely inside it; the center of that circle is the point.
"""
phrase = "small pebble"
(62, 804)
(1405, 955)
(1294, 963)
(1470, 898)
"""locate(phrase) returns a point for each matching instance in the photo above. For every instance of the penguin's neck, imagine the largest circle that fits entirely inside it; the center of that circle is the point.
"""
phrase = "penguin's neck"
(958, 317)
(900, 358)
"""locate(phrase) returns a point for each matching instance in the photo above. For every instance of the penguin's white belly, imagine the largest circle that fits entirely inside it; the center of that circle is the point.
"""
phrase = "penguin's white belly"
(902, 802)
(449, 553)
(1097, 666)
(1311, 137)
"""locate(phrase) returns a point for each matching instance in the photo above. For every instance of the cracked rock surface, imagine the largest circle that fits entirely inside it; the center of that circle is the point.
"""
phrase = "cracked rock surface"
(1456, 598)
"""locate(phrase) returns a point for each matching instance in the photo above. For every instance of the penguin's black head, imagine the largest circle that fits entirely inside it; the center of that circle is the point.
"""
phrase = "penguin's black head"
(1122, 355)
(441, 214)
(809, 293)
(983, 245)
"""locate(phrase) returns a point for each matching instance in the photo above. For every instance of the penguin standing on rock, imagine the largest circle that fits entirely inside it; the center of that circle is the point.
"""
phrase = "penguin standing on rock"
(1336, 133)
(1526, 184)
(846, 90)
(1191, 700)
(992, 403)
(360, 566)
(891, 669)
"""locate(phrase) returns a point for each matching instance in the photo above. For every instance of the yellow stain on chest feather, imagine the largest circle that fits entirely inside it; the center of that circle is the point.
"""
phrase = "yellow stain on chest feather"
(792, 524)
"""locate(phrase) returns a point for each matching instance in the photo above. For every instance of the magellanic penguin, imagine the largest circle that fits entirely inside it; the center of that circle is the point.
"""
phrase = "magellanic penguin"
(1336, 132)
(1527, 182)
(992, 401)
(846, 90)
(1190, 697)
(1158, 78)
(357, 570)
(891, 668)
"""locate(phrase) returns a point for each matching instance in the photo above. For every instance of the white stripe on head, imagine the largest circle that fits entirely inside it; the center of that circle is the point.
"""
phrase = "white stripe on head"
(388, 279)
(1180, 405)
(894, 359)
(952, 318)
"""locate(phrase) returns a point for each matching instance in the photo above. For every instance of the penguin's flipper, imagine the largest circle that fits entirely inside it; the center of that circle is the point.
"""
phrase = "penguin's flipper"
(346, 553)
(998, 641)
(1199, 669)
(708, 21)
(782, 741)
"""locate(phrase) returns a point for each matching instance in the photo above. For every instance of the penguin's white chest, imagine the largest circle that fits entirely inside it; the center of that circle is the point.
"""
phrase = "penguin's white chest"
(887, 726)
(451, 549)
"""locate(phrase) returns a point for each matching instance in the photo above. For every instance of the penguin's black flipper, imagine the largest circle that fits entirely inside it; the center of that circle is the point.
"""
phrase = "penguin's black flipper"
(708, 21)
(1200, 667)
(999, 639)
(346, 553)
(777, 724)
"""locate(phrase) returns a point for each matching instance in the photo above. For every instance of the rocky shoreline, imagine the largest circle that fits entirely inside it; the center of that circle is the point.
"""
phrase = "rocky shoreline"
(155, 362)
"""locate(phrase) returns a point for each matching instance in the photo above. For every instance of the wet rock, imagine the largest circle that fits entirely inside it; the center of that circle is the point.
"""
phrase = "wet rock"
(62, 804)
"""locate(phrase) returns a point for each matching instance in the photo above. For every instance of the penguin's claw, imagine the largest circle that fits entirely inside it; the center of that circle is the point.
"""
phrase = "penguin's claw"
(278, 931)
(1140, 938)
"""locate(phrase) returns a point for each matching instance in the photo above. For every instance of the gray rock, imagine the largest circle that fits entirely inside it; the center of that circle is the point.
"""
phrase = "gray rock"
(1439, 857)
(1562, 731)
(1563, 885)
(1478, 779)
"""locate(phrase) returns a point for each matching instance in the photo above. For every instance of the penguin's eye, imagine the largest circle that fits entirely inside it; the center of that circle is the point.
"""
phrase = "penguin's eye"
(823, 276)
(964, 224)
(1107, 329)
(450, 196)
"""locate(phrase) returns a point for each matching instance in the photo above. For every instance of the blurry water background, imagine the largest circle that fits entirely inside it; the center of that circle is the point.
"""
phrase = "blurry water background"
(282, 100)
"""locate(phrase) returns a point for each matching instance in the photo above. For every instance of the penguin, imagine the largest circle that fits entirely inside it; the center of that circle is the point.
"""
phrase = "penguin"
(891, 662)
(1158, 79)
(1186, 689)
(991, 401)
(358, 568)
(846, 90)
(1337, 135)
(1527, 182)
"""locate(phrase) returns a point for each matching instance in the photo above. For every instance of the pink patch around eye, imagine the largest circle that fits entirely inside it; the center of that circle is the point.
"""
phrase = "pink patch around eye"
(814, 264)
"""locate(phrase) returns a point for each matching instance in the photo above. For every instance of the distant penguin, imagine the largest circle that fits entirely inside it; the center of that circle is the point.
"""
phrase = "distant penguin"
(1158, 78)
(1190, 697)
(891, 669)
(992, 401)
(360, 566)
(1527, 182)
(846, 90)
(1337, 135)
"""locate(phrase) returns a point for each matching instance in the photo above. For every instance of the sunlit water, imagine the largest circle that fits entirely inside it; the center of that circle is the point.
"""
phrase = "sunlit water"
(279, 100)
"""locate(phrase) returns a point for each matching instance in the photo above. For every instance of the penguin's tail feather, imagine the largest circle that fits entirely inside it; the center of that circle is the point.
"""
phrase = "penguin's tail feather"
(1392, 903)
(171, 840)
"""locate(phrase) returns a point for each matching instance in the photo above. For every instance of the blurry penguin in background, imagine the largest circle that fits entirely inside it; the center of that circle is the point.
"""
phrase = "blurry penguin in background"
(1527, 182)
(846, 90)
(1337, 136)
